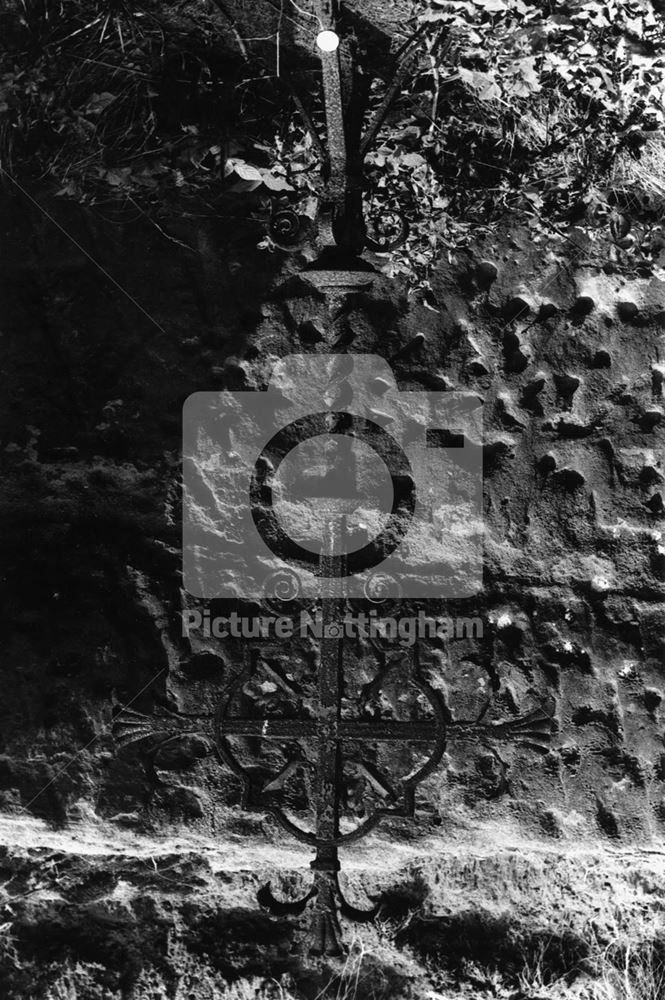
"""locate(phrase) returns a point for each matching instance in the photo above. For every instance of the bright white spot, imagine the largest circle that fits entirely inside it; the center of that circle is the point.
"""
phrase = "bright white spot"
(328, 41)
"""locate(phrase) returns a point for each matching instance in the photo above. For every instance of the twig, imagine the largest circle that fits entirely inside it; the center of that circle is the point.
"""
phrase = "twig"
(305, 13)
(230, 20)
(288, 17)
(79, 30)
(383, 109)
(159, 229)
(410, 42)
(437, 91)
(106, 23)
(278, 39)
(307, 118)
(118, 69)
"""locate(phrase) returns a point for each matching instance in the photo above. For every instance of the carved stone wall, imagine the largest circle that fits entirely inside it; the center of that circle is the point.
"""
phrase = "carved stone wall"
(569, 362)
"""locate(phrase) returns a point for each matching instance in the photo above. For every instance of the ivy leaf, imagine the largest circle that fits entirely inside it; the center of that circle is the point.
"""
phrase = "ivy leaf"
(485, 85)
(635, 26)
(244, 170)
(492, 6)
(118, 177)
(413, 161)
(432, 16)
(99, 102)
(525, 80)
(274, 182)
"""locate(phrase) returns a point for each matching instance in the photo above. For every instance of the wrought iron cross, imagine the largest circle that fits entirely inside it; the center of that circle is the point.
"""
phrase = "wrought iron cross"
(341, 220)
(336, 728)
(315, 722)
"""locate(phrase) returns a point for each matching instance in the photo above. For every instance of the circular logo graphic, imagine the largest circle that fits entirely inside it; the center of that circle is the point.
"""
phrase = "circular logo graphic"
(317, 425)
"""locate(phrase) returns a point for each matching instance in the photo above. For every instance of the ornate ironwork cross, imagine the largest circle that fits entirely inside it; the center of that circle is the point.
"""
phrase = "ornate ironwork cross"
(342, 221)
(323, 737)
(328, 750)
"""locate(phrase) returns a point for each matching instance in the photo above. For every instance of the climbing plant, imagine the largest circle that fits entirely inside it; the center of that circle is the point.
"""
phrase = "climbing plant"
(552, 111)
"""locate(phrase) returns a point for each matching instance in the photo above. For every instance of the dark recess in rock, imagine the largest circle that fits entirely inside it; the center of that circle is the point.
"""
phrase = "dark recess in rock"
(583, 306)
(570, 479)
(602, 359)
(607, 821)
(486, 274)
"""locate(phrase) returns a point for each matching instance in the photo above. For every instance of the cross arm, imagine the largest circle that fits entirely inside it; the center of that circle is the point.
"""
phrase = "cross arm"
(534, 730)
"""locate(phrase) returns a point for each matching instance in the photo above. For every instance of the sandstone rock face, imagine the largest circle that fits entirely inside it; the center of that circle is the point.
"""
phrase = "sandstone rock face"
(122, 857)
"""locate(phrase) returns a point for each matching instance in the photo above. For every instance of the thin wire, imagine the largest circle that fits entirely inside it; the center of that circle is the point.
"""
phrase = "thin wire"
(305, 13)
(69, 236)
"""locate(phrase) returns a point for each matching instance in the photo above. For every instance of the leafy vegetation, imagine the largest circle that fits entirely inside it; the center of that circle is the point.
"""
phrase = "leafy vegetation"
(552, 111)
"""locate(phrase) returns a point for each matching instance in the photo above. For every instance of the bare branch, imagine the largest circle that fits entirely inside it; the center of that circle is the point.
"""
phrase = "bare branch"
(230, 20)
(307, 119)
(383, 109)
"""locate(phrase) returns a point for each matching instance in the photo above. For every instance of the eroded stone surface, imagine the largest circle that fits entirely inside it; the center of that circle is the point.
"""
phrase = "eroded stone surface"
(574, 594)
